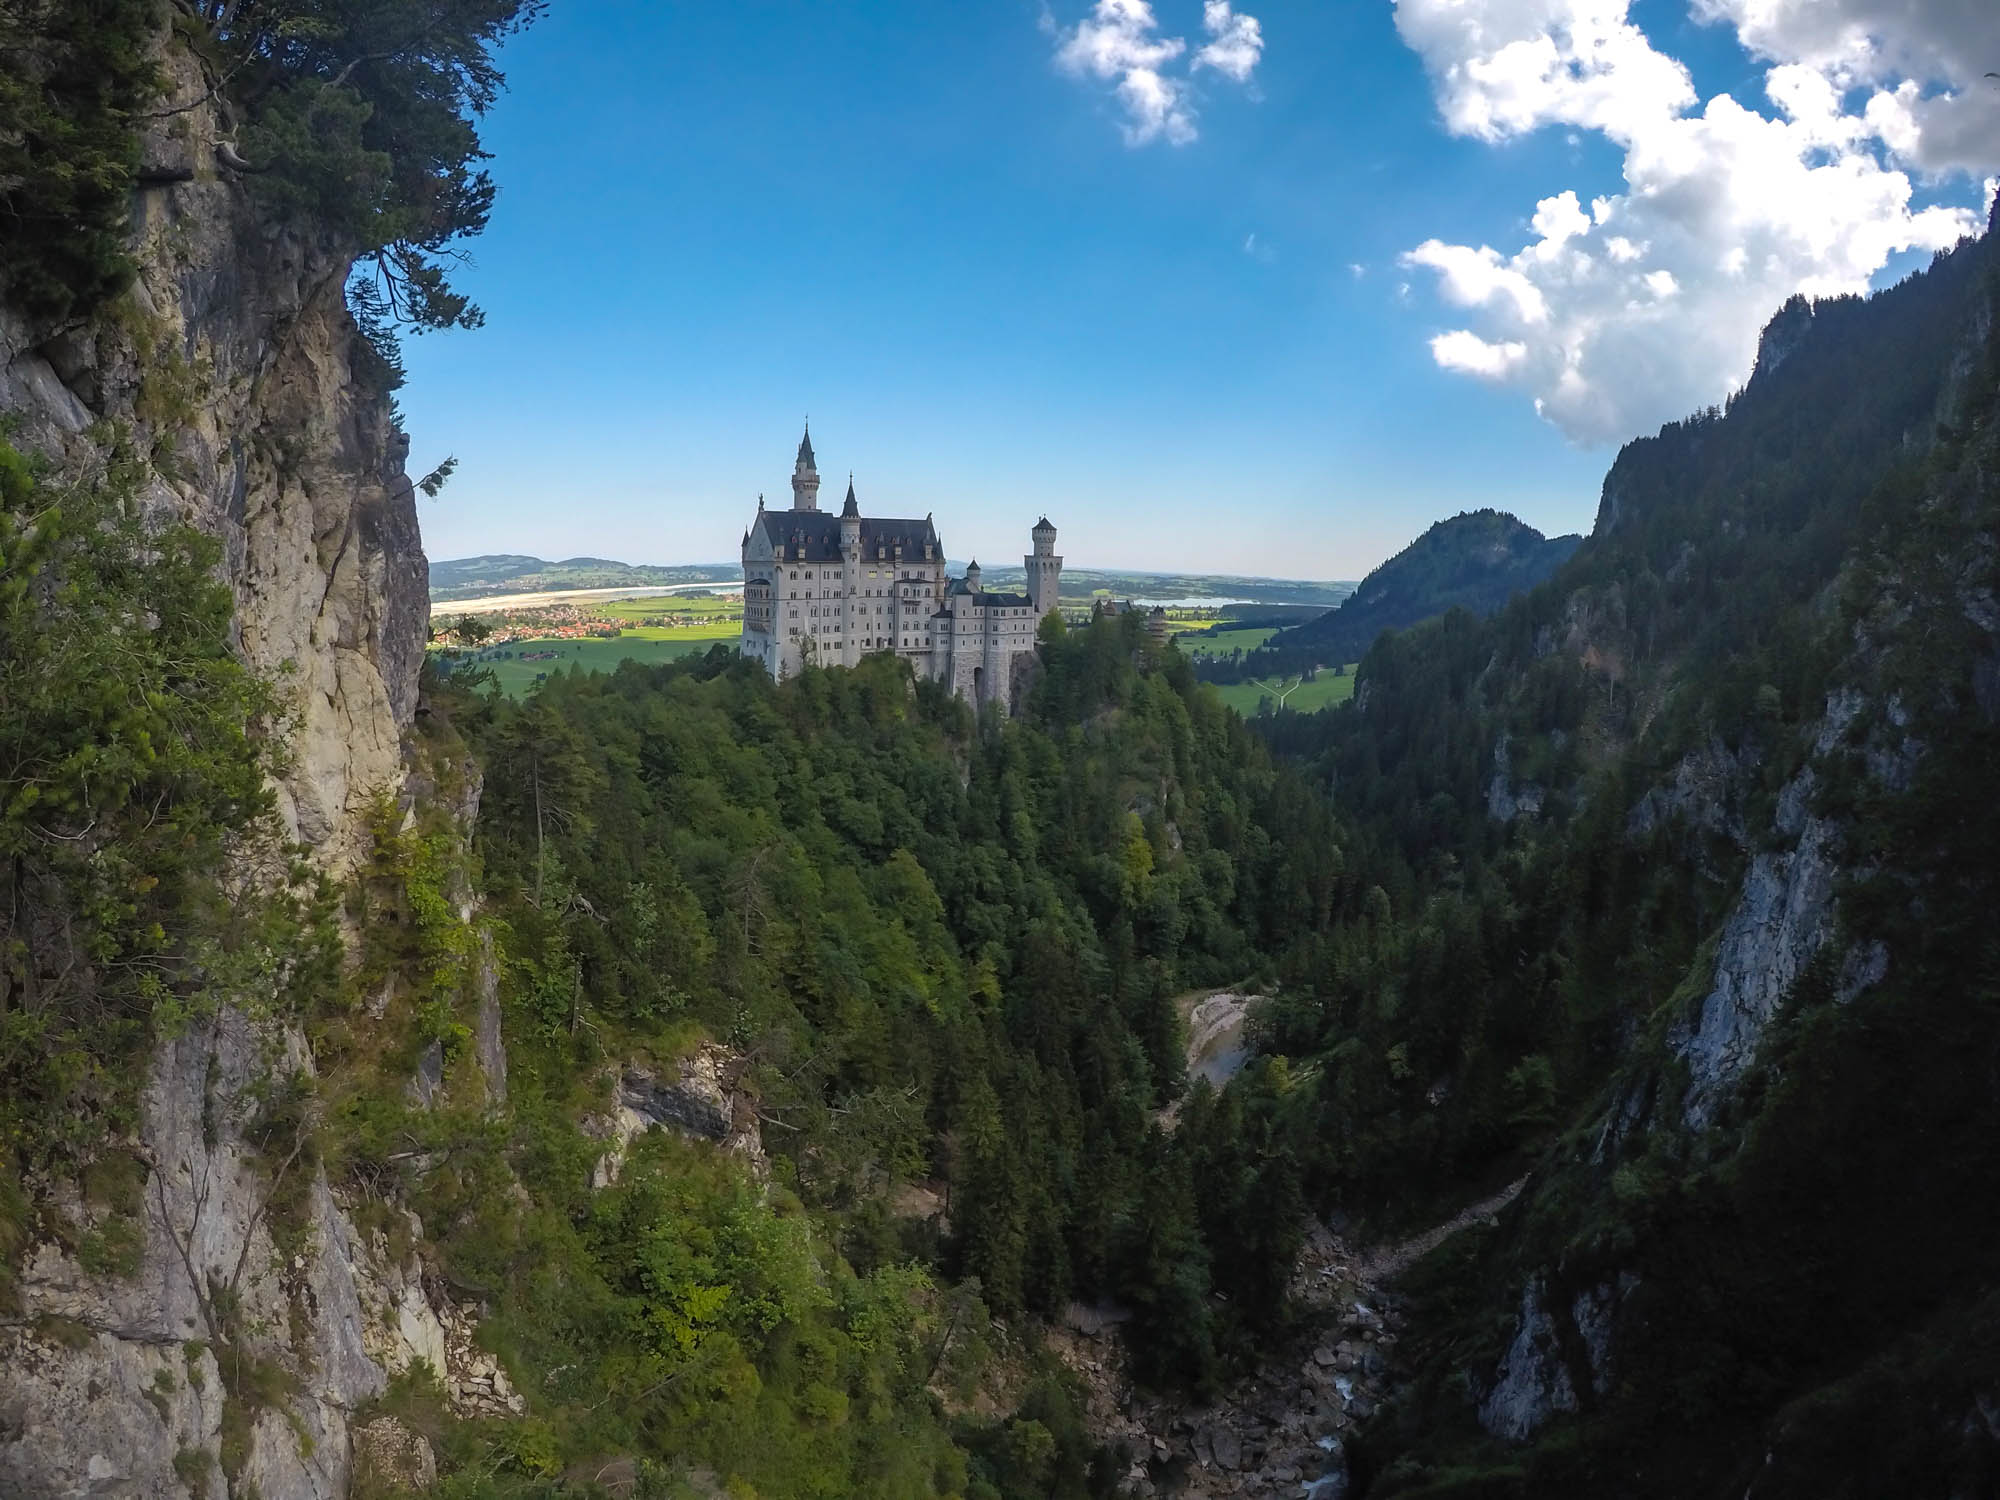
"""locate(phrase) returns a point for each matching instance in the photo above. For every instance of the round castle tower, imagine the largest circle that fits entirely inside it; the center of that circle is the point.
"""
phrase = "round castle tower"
(1044, 568)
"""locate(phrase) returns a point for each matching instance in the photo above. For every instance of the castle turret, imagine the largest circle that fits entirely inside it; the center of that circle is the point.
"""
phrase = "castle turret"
(972, 576)
(1044, 568)
(805, 476)
(850, 520)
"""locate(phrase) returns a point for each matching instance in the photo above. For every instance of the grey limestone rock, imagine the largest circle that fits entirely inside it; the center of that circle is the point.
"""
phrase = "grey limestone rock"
(697, 1098)
(130, 1383)
(1532, 1383)
(1227, 1448)
(1783, 914)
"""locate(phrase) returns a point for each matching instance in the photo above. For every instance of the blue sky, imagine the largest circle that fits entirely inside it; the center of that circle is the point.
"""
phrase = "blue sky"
(933, 229)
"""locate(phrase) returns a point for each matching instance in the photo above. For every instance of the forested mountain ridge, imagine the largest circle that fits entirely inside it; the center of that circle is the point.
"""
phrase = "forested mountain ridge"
(1680, 861)
(1476, 560)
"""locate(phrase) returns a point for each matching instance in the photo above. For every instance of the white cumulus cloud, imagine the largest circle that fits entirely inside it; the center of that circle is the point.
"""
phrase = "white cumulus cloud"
(1235, 42)
(1927, 61)
(1480, 278)
(1647, 304)
(1470, 354)
(1120, 43)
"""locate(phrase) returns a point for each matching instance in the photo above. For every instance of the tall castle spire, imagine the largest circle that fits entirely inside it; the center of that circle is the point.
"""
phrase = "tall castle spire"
(805, 475)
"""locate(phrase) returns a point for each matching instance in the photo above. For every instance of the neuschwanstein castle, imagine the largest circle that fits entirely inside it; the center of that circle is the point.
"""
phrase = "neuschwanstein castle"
(832, 589)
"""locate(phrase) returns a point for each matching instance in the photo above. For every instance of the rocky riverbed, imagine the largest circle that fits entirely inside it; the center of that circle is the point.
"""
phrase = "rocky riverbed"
(1217, 1047)
(1282, 1430)
(1279, 1432)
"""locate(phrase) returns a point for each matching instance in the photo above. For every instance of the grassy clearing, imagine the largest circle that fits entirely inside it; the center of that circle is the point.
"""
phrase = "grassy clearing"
(1321, 692)
(701, 630)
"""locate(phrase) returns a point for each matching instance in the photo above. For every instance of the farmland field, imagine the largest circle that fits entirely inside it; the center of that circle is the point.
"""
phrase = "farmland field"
(1321, 692)
(701, 630)
(515, 675)
(709, 609)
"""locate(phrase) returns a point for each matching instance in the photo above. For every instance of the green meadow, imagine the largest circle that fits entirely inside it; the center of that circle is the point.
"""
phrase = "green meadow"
(1322, 692)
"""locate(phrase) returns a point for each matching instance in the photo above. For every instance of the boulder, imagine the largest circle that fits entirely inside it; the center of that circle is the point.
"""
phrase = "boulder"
(1227, 1448)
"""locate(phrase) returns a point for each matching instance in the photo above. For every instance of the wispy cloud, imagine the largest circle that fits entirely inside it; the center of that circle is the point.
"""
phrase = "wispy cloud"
(1120, 43)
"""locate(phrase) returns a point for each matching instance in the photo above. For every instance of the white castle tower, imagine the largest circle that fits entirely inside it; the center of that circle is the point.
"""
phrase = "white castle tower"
(1044, 568)
(805, 475)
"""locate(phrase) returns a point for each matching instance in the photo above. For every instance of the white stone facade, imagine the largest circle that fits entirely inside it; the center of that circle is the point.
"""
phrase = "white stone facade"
(830, 590)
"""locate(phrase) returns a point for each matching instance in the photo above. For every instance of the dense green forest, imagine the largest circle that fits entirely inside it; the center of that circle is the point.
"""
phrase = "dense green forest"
(951, 950)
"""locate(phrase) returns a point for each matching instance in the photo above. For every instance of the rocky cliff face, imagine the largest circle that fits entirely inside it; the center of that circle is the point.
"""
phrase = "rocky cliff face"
(233, 1357)
(232, 368)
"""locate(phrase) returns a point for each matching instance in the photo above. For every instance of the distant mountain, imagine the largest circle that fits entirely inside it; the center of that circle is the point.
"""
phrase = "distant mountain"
(511, 573)
(1477, 560)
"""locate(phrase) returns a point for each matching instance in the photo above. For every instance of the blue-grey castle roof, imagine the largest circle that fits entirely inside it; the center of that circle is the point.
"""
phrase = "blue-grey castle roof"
(818, 533)
(959, 588)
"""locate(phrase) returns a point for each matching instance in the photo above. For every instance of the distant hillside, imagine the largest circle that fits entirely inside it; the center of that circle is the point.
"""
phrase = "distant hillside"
(1477, 561)
(1083, 584)
(510, 573)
